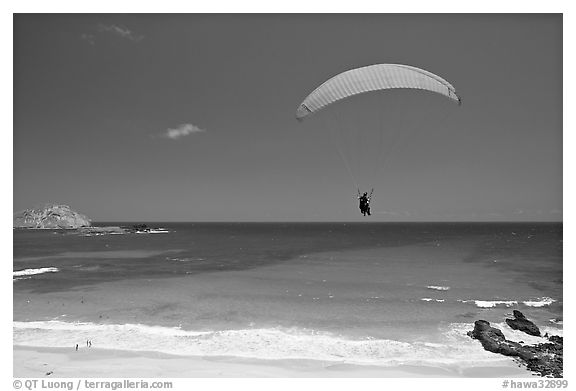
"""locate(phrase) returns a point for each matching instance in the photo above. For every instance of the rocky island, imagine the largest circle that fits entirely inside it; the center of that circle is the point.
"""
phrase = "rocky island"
(50, 216)
(70, 222)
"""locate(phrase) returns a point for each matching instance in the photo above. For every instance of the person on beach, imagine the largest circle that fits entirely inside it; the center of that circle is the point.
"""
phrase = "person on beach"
(76, 347)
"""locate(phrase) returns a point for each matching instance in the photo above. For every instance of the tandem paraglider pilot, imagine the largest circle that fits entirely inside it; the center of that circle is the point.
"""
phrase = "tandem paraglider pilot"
(365, 202)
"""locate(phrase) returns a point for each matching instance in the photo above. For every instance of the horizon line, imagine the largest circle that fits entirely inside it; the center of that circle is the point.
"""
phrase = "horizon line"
(331, 222)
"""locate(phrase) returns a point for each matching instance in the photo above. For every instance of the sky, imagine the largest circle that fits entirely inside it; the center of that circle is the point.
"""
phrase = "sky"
(191, 117)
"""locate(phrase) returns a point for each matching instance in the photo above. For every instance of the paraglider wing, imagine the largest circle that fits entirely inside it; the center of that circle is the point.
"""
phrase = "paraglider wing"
(373, 78)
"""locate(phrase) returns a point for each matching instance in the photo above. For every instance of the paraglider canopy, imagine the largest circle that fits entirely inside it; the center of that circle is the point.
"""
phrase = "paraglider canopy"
(367, 131)
(373, 78)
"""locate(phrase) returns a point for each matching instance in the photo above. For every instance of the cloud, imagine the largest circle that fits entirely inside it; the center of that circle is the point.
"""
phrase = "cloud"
(122, 32)
(113, 29)
(90, 38)
(181, 131)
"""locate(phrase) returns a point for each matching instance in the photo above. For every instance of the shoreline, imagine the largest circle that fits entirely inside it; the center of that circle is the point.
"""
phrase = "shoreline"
(37, 362)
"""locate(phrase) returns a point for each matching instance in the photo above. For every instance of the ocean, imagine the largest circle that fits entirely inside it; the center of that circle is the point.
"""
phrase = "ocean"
(379, 294)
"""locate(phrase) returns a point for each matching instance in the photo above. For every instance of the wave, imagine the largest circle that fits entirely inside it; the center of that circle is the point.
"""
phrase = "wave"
(491, 303)
(87, 326)
(102, 233)
(159, 231)
(438, 288)
(26, 273)
(540, 302)
(186, 259)
(263, 343)
(154, 231)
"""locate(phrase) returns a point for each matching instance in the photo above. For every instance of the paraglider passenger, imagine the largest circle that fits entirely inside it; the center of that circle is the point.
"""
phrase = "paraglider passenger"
(364, 204)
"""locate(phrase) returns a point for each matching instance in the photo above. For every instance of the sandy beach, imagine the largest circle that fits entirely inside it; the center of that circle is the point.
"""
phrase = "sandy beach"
(63, 363)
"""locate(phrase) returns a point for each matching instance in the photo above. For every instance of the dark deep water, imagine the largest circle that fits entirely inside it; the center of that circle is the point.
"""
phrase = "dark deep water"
(533, 249)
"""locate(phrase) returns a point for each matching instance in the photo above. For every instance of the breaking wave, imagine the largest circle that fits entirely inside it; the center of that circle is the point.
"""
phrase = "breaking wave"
(438, 288)
(26, 273)
(264, 343)
(491, 303)
(540, 302)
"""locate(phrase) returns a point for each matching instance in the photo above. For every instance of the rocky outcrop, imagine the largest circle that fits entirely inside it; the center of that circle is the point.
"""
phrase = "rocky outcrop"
(50, 216)
(493, 340)
(112, 230)
(98, 231)
(545, 359)
(521, 323)
(140, 228)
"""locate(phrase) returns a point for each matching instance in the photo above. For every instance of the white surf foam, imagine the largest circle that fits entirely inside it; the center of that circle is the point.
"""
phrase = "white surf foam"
(438, 288)
(31, 272)
(491, 303)
(429, 299)
(159, 231)
(154, 231)
(517, 335)
(458, 333)
(87, 326)
(541, 302)
(268, 343)
(186, 259)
